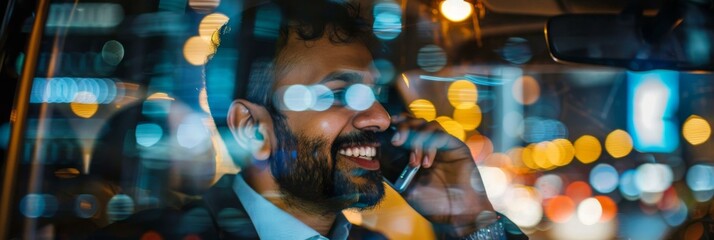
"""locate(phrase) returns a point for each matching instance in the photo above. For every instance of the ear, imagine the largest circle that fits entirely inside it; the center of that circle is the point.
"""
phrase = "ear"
(252, 127)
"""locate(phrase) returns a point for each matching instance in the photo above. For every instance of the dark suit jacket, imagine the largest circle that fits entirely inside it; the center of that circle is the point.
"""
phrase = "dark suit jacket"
(219, 215)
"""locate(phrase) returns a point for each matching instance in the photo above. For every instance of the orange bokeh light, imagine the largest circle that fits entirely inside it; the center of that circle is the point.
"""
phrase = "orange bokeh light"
(609, 208)
(578, 191)
(480, 147)
(560, 209)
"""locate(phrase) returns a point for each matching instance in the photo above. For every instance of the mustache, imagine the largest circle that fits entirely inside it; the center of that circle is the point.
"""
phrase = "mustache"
(353, 139)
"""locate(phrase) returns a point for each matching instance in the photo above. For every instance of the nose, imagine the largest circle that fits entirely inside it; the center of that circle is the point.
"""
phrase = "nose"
(375, 118)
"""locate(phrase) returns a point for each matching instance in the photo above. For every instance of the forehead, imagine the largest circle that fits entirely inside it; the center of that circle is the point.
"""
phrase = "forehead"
(308, 62)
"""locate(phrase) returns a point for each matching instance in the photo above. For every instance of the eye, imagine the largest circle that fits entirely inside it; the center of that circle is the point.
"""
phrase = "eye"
(339, 96)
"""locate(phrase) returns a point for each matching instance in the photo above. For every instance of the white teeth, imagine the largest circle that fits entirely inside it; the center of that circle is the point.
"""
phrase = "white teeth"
(364, 152)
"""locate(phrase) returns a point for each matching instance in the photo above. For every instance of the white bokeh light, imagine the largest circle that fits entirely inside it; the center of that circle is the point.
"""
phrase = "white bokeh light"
(297, 98)
(549, 185)
(494, 180)
(653, 177)
(589, 211)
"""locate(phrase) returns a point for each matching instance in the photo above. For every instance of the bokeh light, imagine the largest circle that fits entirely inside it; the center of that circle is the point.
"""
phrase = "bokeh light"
(587, 149)
(559, 209)
(536, 129)
(516, 50)
(324, 97)
(86, 206)
(386, 71)
(210, 24)
(527, 157)
(618, 143)
(653, 177)
(480, 146)
(112, 52)
(422, 108)
(524, 211)
(462, 94)
(469, 118)
(452, 127)
(148, 134)
(431, 58)
(700, 177)
(628, 187)
(196, 50)
(696, 130)
(677, 215)
(192, 133)
(65, 90)
(526, 90)
(567, 151)
(359, 97)
(120, 207)
(609, 208)
(297, 98)
(604, 178)
(589, 211)
(387, 20)
(549, 185)
(203, 6)
(32, 205)
(85, 105)
(495, 181)
(456, 10)
(578, 191)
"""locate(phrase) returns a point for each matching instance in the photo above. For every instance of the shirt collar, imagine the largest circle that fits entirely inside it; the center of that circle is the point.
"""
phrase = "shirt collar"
(267, 217)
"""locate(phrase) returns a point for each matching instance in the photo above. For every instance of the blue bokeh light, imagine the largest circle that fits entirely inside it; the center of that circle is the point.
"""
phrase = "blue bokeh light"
(628, 187)
(86, 206)
(120, 207)
(653, 98)
(700, 177)
(387, 20)
(148, 134)
(32, 205)
(359, 97)
(324, 97)
(604, 178)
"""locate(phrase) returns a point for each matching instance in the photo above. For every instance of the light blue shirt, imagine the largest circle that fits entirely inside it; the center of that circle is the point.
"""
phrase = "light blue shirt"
(272, 222)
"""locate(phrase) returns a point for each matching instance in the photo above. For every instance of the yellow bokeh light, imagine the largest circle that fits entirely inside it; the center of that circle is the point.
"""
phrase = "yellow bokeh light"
(84, 105)
(527, 157)
(196, 50)
(526, 90)
(422, 108)
(618, 143)
(587, 149)
(696, 130)
(544, 154)
(462, 94)
(203, 100)
(469, 118)
(456, 10)
(159, 96)
(567, 151)
(210, 24)
(452, 127)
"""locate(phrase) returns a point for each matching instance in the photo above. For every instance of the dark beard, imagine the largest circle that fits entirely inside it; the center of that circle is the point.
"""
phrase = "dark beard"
(301, 166)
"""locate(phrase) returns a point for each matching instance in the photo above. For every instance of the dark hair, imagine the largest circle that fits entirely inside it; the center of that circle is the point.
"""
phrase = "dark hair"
(249, 52)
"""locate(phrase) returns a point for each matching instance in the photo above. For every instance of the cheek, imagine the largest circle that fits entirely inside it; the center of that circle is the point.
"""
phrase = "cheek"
(325, 124)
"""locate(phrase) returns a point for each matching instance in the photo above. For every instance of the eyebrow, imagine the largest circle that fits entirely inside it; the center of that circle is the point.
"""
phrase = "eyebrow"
(349, 77)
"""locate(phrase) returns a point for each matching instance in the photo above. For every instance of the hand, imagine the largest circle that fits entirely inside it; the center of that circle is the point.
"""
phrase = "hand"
(443, 190)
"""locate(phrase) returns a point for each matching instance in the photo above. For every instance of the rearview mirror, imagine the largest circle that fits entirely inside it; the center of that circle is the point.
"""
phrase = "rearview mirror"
(636, 43)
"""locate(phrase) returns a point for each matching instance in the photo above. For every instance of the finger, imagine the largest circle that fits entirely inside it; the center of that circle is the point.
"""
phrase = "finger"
(404, 130)
(413, 160)
(430, 156)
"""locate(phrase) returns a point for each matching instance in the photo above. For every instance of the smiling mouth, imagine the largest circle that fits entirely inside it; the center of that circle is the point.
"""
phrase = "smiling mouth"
(363, 155)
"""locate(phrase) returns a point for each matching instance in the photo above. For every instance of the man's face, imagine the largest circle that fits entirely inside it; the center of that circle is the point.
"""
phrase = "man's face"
(312, 163)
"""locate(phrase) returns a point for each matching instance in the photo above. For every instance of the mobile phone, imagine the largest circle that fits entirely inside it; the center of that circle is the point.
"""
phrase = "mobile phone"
(394, 162)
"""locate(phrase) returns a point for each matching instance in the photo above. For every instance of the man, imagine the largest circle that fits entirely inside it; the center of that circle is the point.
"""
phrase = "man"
(303, 167)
